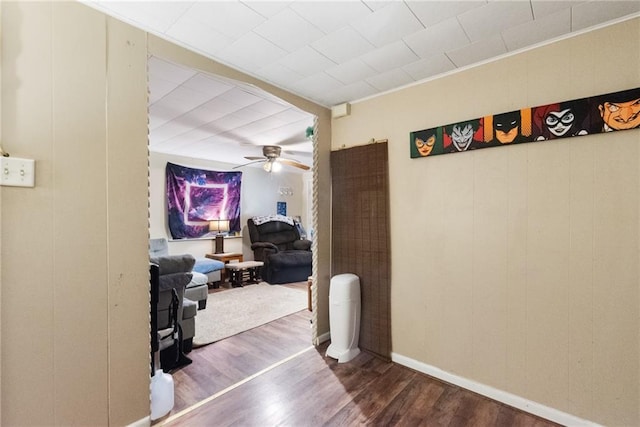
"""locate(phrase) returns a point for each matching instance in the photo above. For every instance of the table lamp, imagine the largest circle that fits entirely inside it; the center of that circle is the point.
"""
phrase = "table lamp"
(219, 225)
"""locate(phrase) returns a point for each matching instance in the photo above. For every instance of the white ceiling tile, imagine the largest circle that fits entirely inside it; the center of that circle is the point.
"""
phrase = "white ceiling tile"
(169, 130)
(342, 45)
(318, 83)
(233, 19)
(267, 8)
(160, 114)
(330, 15)
(158, 88)
(533, 32)
(390, 79)
(239, 97)
(248, 115)
(444, 36)
(306, 62)
(252, 51)
(204, 114)
(542, 8)
(184, 98)
(198, 36)
(288, 30)
(432, 12)
(259, 127)
(493, 18)
(351, 71)
(349, 93)
(225, 124)
(388, 24)
(429, 67)
(390, 56)
(478, 51)
(148, 14)
(291, 115)
(207, 85)
(190, 136)
(278, 74)
(378, 4)
(159, 68)
(591, 13)
(219, 107)
(269, 108)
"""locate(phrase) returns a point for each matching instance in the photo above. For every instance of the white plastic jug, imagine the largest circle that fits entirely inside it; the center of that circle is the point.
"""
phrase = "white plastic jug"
(161, 394)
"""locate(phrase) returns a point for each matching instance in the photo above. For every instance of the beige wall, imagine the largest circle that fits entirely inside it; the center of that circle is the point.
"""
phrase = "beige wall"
(74, 262)
(517, 267)
(260, 194)
(74, 259)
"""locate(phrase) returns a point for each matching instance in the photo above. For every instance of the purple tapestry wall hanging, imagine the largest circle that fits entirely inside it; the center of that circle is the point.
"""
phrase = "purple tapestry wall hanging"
(197, 196)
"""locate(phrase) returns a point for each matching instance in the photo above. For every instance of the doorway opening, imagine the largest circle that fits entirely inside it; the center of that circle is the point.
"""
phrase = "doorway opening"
(206, 121)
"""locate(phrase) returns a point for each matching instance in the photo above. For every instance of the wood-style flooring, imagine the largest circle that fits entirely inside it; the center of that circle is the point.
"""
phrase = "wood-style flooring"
(271, 376)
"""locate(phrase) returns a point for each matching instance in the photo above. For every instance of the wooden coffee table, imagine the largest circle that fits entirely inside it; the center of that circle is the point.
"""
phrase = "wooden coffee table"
(225, 257)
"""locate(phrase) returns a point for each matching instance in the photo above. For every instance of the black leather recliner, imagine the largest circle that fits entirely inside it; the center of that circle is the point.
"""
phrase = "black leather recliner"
(286, 257)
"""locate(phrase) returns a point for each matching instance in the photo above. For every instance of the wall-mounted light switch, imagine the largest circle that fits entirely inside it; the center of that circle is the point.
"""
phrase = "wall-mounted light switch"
(17, 172)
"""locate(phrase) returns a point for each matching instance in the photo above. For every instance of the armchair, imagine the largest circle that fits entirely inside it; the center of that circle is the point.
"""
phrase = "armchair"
(204, 271)
(173, 275)
(275, 240)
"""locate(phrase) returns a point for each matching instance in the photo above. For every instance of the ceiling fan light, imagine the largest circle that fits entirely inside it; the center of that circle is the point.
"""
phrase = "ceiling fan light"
(267, 166)
(276, 166)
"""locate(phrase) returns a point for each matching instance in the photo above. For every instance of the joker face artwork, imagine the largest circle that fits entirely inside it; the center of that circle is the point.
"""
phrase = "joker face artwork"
(461, 136)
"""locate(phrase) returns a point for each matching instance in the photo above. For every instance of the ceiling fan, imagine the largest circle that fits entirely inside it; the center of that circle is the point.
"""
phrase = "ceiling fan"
(272, 159)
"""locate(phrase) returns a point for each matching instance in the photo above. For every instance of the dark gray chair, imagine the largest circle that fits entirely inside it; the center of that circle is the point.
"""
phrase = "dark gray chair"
(287, 258)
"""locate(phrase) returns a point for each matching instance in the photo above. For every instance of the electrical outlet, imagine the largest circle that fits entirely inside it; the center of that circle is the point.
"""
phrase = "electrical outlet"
(16, 172)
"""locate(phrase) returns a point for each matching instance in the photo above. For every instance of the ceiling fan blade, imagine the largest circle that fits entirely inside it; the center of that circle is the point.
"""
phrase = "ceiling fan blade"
(255, 158)
(250, 163)
(293, 163)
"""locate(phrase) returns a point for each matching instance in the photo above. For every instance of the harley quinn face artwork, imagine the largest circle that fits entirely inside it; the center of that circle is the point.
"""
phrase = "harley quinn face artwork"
(560, 120)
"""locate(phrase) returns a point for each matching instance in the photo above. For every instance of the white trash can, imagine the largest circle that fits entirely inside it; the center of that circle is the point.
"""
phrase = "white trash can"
(344, 317)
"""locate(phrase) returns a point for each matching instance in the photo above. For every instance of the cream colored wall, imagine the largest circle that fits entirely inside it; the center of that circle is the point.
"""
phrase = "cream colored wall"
(74, 248)
(517, 267)
(259, 195)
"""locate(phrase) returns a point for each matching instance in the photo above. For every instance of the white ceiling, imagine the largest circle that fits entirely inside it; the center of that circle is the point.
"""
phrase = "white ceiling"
(329, 52)
(199, 115)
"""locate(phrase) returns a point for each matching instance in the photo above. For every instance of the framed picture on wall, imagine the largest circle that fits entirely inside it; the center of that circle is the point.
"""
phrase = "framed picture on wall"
(282, 208)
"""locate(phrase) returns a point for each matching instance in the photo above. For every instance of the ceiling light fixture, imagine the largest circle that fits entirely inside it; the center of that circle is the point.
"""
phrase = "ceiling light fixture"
(272, 165)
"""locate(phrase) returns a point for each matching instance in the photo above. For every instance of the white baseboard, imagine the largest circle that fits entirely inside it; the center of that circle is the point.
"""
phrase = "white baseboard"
(495, 394)
(322, 338)
(144, 422)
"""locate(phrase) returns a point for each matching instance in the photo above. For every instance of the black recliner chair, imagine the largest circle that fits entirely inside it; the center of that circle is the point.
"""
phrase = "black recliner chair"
(277, 243)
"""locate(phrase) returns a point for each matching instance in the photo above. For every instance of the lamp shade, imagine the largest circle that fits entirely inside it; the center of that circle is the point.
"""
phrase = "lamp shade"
(219, 225)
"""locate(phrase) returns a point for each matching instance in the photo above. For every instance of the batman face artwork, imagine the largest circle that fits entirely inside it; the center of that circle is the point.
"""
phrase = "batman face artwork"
(506, 127)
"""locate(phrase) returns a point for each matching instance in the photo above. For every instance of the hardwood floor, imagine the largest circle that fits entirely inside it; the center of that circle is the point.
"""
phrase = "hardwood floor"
(271, 375)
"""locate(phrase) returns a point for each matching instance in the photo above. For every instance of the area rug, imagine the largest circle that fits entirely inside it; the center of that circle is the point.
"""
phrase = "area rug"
(237, 310)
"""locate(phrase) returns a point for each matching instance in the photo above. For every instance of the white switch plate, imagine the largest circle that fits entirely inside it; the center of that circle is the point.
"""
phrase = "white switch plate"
(17, 172)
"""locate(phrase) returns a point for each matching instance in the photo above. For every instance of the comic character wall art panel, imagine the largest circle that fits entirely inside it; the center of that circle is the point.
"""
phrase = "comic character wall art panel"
(614, 111)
